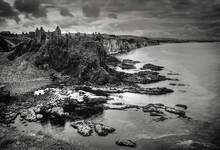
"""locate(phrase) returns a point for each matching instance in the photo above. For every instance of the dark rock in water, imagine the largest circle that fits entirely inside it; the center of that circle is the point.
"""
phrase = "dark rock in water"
(175, 111)
(143, 77)
(151, 108)
(83, 127)
(171, 79)
(182, 106)
(123, 66)
(171, 73)
(126, 143)
(134, 89)
(86, 128)
(179, 84)
(155, 114)
(103, 130)
(117, 103)
(128, 64)
(173, 84)
(161, 118)
(121, 107)
(152, 67)
(160, 109)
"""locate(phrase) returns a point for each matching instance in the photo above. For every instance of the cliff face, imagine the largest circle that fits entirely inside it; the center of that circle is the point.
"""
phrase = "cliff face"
(122, 44)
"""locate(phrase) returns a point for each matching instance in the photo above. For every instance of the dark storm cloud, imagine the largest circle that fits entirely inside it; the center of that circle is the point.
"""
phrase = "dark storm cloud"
(65, 12)
(167, 8)
(91, 10)
(31, 7)
(168, 17)
(7, 12)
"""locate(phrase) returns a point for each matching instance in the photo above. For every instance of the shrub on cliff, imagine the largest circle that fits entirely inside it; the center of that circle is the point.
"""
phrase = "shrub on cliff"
(83, 59)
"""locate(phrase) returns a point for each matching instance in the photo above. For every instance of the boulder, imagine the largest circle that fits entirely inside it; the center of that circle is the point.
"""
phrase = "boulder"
(155, 114)
(151, 108)
(182, 106)
(175, 111)
(57, 111)
(121, 107)
(39, 116)
(128, 64)
(103, 130)
(28, 114)
(126, 143)
(143, 77)
(83, 127)
(161, 118)
(152, 67)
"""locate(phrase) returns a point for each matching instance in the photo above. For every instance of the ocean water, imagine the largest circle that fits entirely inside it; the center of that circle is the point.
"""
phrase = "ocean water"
(198, 68)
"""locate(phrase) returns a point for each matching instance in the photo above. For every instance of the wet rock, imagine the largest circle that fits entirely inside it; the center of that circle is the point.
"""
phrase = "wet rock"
(126, 143)
(95, 99)
(125, 66)
(128, 64)
(160, 109)
(182, 106)
(152, 67)
(175, 84)
(171, 73)
(161, 118)
(155, 114)
(143, 77)
(175, 111)
(149, 91)
(121, 107)
(103, 130)
(117, 103)
(151, 108)
(83, 127)
(131, 89)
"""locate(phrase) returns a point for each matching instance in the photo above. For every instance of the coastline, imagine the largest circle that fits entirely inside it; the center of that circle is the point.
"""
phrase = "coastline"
(110, 91)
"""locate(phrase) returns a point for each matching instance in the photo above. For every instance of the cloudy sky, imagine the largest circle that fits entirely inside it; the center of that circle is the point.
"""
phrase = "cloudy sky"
(194, 19)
